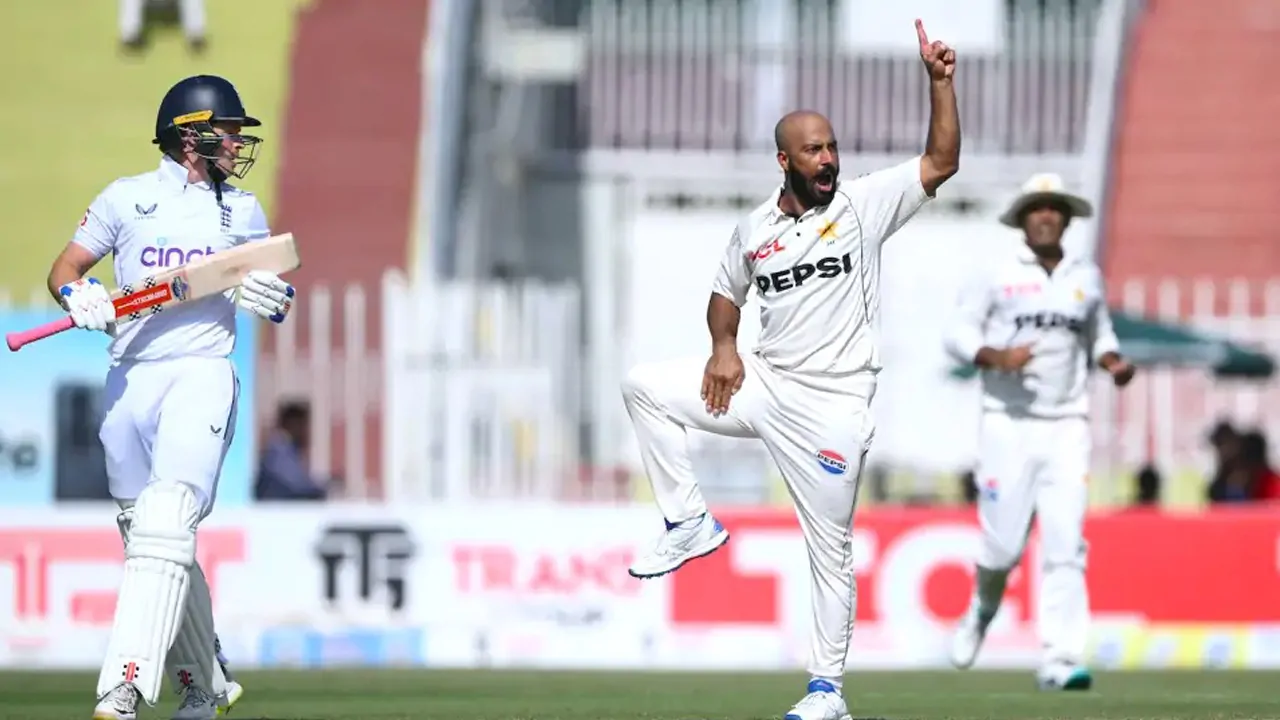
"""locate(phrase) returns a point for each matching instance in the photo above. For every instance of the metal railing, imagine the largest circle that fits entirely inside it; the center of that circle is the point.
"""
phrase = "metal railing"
(716, 74)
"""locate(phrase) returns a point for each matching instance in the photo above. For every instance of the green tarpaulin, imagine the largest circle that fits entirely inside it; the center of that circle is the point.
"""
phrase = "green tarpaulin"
(1152, 343)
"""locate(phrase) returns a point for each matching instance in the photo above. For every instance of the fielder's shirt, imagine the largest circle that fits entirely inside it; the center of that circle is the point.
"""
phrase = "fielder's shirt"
(1062, 314)
(818, 276)
(157, 221)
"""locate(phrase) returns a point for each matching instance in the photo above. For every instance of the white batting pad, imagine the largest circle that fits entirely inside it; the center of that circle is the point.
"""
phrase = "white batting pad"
(161, 547)
(191, 659)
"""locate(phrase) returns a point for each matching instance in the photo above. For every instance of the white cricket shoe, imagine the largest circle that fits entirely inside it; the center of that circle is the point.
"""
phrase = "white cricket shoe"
(234, 692)
(679, 544)
(196, 705)
(1064, 676)
(968, 637)
(119, 704)
(823, 702)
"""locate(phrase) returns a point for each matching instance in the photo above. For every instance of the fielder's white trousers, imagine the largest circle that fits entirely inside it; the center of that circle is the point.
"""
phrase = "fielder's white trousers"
(169, 420)
(132, 16)
(817, 435)
(1038, 468)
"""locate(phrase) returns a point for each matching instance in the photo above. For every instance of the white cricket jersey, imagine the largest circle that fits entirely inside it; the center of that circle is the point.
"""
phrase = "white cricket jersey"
(818, 276)
(1063, 314)
(156, 221)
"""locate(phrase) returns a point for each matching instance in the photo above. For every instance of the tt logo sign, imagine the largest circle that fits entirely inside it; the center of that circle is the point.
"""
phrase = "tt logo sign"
(358, 560)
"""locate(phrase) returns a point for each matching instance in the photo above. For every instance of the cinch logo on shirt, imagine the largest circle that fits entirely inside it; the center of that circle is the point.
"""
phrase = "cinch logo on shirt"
(1048, 320)
(163, 255)
(794, 277)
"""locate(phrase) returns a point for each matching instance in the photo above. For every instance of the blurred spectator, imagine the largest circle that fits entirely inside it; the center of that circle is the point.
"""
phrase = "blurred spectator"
(1148, 486)
(283, 473)
(1228, 483)
(136, 15)
(1225, 440)
(1255, 461)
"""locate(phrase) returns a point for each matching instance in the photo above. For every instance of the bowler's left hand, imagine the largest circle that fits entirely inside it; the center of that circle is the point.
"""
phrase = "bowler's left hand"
(264, 294)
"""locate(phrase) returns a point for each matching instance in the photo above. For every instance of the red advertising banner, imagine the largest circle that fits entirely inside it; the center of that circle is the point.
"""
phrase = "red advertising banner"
(1216, 567)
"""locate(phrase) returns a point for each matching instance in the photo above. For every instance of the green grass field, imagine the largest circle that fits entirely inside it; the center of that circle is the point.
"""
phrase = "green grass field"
(476, 695)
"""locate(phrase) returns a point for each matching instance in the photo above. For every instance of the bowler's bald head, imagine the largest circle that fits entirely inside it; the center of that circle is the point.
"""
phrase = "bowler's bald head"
(808, 156)
(798, 126)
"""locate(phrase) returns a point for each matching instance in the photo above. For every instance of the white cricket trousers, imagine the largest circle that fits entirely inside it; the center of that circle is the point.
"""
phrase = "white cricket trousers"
(169, 420)
(819, 439)
(1037, 468)
(132, 17)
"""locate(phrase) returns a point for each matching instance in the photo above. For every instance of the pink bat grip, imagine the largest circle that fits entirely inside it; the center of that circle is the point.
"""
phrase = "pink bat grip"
(18, 339)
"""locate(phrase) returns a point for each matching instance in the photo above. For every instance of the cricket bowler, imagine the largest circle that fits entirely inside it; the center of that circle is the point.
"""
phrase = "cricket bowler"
(171, 391)
(1035, 321)
(812, 253)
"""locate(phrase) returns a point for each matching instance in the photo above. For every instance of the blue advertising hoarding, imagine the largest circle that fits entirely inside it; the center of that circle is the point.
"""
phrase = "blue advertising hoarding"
(50, 409)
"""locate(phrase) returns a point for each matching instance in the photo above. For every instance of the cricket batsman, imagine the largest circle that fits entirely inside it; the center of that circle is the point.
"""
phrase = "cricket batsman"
(812, 253)
(171, 391)
(1035, 321)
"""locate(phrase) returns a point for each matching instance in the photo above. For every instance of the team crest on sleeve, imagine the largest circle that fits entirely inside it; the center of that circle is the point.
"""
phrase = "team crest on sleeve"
(84, 220)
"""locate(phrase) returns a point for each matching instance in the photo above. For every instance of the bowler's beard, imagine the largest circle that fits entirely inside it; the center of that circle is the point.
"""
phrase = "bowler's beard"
(802, 188)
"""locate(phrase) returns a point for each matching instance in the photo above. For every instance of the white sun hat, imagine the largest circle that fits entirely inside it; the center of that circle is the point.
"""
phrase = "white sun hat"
(1045, 186)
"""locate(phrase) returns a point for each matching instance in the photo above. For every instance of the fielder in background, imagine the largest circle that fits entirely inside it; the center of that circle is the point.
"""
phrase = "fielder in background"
(1036, 321)
(812, 252)
(171, 391)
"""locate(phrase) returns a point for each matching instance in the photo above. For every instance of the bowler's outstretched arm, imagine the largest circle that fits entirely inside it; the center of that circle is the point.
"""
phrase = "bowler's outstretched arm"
(942, 149)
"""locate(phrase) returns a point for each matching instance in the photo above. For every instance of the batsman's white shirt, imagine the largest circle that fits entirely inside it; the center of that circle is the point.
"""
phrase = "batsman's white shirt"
(818, 276)
(154, 222)
(1063, 314)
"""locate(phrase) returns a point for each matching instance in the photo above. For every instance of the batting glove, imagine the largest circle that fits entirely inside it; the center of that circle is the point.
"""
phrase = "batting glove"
(88, 304)
(264, 294)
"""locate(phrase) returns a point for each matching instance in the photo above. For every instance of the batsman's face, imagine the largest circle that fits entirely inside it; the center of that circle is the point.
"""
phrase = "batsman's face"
(1044, 224)
(231, 147)
(222, 144)
(812, 161)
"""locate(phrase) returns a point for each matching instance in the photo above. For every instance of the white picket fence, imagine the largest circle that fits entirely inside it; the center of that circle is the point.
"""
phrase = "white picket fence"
(484, 388)
(475, 392)
(479, 390)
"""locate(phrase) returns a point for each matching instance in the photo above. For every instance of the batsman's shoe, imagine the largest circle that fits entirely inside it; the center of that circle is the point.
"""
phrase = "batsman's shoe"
(234, 692)
(823, 702)
(967, 640)
(680, 543)
(196, 705)
(1064, 676)
(119, 704)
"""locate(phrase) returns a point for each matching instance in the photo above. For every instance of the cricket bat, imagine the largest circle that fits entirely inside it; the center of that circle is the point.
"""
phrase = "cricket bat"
(208, 275)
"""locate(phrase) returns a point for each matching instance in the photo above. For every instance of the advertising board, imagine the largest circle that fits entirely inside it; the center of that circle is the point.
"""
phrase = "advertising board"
(546, 587)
